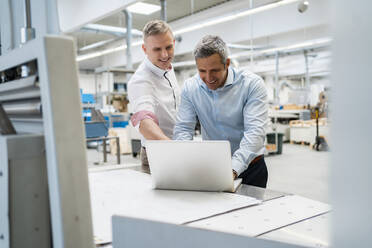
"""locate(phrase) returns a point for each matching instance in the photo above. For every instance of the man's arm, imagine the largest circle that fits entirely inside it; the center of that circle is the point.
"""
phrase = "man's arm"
(151, 131)
(186, 117)
(140, 94)
(255, 121)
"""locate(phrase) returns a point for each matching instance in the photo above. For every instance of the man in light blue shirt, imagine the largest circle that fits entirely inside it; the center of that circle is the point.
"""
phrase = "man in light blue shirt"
(230, 105)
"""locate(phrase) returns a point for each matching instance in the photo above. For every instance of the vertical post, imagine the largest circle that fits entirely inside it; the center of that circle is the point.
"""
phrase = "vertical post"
(27, 32)
(307, 77)
(128, 21)
(276, 97)
(317, 140)
(118, 149)
(251, 35)
(27, 14)
(163, 4)
(71, 220)
(104, 150)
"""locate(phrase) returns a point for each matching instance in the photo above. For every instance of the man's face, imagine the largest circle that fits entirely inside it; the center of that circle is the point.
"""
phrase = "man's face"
(160, 49)
(212, 71)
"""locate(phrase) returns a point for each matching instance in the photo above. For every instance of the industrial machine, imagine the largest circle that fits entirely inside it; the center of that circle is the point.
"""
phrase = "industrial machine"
(44, 194)
(44, 191)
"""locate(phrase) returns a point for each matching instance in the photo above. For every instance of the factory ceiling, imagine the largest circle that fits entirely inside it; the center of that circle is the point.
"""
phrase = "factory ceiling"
(282, 27)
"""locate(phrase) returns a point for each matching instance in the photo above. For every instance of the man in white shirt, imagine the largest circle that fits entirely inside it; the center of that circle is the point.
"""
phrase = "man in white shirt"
(153, 90)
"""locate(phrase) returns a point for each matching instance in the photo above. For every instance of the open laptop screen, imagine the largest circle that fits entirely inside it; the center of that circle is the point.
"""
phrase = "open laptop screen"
(190, 165)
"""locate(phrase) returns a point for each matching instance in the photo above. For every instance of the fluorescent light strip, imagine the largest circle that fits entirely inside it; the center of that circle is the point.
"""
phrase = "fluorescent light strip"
(230, 17)
(143, 8)
(233, 16)
(104, 52)
(309, 44)
(111, 29)
(95, 45)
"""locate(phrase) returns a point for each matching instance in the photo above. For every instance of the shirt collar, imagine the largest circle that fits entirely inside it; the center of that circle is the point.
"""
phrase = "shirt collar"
(230, 77)
(156, 70)
(229, 80)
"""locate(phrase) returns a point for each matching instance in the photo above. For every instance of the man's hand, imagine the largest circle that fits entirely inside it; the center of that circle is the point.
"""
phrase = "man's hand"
(235, 175)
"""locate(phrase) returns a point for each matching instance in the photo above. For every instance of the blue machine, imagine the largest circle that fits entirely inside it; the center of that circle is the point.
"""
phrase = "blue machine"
(98, 127)
(95, 129)
(95, 123)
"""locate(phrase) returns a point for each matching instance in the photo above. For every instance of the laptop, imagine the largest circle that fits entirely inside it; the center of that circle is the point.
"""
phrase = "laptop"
(191, 165)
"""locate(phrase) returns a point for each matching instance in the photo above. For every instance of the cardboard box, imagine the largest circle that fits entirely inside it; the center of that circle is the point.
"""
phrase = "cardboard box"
(122, 133)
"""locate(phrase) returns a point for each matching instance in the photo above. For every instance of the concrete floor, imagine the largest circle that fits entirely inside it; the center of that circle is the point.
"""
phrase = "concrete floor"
(301, 171)
(298, 170)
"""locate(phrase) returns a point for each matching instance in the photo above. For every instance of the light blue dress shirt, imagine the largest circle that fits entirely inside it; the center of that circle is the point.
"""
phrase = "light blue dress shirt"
(236, 112)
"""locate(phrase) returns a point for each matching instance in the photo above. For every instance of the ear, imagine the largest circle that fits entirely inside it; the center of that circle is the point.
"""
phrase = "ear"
(144, 47)
(228, 62)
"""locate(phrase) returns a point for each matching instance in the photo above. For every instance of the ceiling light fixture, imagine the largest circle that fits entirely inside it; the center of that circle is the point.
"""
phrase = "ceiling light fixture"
(231, 16)
(104, 52)
(118, 31)
(143, 8)
(304, 45)
(291, 48)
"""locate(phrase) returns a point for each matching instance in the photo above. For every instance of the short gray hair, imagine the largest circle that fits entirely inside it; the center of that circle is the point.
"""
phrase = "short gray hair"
(209, 45)
(155, 27)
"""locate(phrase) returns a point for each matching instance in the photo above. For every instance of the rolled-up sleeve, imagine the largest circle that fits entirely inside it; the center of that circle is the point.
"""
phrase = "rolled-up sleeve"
(186, 117)
(255, 121)
(141, 97)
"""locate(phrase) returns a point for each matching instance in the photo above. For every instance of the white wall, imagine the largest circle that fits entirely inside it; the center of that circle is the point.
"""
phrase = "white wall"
(105, 82)
(86, 83)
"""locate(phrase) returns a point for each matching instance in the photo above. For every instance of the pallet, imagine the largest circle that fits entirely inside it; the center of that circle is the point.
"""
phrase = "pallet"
(303, 143)
(271, 148)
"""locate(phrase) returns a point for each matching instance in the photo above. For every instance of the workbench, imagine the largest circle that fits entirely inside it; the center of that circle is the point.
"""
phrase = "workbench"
(251, 211)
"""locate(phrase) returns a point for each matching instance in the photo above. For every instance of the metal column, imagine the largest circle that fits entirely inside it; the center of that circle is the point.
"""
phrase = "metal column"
(307, 77)
(163, 13)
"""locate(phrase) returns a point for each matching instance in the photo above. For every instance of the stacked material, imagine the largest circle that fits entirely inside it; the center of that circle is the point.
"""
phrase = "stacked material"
(122, 133)
(304, 132)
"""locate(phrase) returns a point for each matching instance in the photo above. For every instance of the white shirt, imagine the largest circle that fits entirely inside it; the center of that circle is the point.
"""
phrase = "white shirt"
(155, 94)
